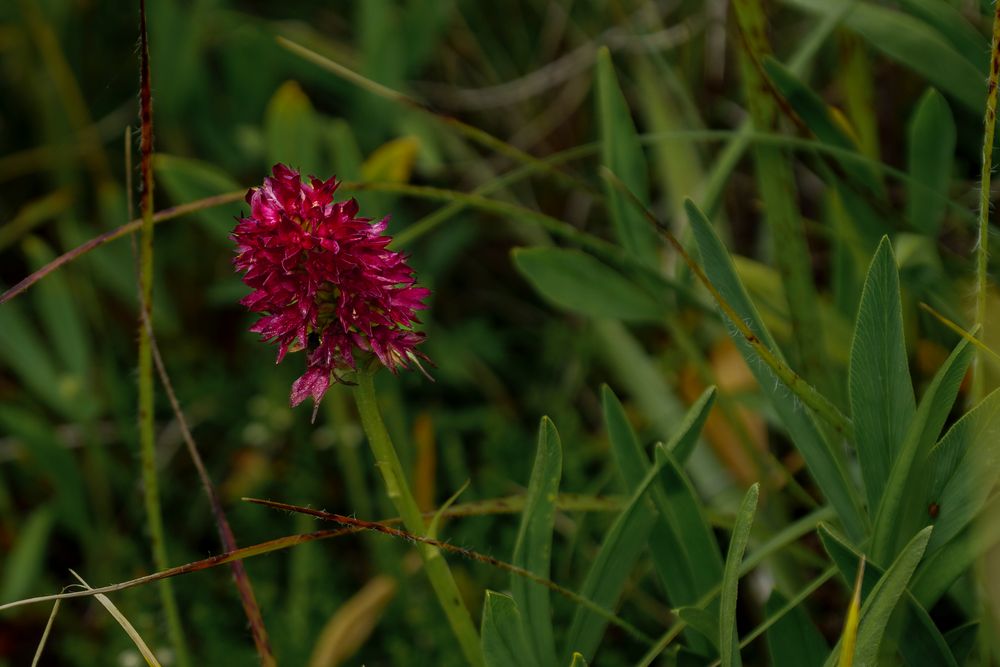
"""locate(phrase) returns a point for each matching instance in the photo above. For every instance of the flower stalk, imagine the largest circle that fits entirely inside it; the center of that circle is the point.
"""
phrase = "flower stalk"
(398, 489)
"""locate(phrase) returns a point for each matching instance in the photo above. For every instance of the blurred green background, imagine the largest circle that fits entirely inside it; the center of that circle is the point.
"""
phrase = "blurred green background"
(229, 102)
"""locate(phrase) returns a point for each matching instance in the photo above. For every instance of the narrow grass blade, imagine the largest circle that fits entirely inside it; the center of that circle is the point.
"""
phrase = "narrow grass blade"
(45, 635)
(879, 386)
(823, 462)
(504, 641)
(954, 27)
(189, 180)
(728, 648)
(622, 153)
(533, 549)
(684, 551)
(22, 565)
(931, 140)
(352, 624)
(621, 547)
(129, 629)
(581, 284)
(703, 622)
(793, 640)
(896, 520)
(924, 646)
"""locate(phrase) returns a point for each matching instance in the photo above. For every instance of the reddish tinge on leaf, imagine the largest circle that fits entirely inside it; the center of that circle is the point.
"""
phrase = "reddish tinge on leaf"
(324, 281)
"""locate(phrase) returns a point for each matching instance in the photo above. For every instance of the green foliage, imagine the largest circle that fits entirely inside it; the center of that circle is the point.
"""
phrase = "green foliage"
(792, 354)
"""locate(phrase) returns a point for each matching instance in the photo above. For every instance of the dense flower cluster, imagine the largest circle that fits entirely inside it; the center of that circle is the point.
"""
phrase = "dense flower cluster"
(324, 280)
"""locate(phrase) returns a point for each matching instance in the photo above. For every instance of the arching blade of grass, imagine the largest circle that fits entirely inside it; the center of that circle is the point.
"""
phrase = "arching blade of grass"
(630, 533)
(533, 549)
(730, 654)
(879, 385)
(504, 641)
(923, 645)
(880, 603)
(759, 350)
(954, 27)
(129, 629)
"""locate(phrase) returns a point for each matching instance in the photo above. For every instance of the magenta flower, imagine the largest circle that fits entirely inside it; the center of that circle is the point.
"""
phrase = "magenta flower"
(324, 281)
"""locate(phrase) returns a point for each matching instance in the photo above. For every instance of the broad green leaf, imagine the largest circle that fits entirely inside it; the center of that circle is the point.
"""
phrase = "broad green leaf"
(823, 463)
(793, 640)
(577, 282)
(913, 44)
(728, 637)
(881, 394)
(503, 639)
(897, 520)
(292, 130)
(23, 564)
(925, 647)
(622, 153)
(533, 549)
(186, 180)
(965, 465)
(931, 156)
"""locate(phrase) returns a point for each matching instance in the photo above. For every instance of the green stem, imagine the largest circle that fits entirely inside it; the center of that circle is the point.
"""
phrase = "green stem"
(399, 493)
(147, 435)
(982, 252)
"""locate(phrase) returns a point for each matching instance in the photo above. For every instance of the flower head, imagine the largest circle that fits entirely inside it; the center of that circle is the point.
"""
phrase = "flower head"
(324, 281)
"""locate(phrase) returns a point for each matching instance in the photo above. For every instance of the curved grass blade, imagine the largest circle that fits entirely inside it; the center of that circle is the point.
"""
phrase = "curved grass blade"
(533, 549)
(849, 636)
(129, 629)
(728, 648)
(822, 460)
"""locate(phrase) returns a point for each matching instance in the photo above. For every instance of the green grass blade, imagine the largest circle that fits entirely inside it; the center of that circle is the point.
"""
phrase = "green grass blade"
(879, 386)
(728, 648)
(931, 157)
(682, 444)
(965, 464)
(622, 153)
(503, 639)
(579, 283)
(703, 622)
(924, 645)
(897, 520)
(684, 551)
(911, 43)
(624, 542)
(187, 180)
(793, 641)
(533, 549)
(953, 26)
(822, 461)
